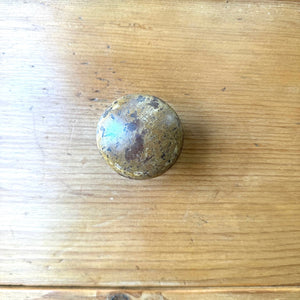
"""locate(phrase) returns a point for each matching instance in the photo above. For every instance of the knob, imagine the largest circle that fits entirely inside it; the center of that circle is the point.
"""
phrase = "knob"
(140, 136)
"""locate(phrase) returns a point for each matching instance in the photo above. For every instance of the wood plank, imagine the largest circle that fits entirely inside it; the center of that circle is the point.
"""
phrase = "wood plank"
(179, 294)
(228, 212)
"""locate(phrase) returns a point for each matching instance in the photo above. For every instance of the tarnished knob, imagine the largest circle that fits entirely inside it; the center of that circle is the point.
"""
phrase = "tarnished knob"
(140, 136)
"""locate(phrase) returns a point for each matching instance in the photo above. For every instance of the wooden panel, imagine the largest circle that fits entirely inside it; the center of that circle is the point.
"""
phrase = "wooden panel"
(228, 212)
(190, 294)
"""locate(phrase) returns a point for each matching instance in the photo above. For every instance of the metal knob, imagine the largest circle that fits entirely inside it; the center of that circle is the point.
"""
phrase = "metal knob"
(140, 136)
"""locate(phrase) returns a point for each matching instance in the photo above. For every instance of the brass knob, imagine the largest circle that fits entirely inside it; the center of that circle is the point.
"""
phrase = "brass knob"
(140, 136)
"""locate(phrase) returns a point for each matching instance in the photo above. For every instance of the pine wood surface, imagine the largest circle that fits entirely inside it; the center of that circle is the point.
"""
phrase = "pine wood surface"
(261, 293)
(227, 214)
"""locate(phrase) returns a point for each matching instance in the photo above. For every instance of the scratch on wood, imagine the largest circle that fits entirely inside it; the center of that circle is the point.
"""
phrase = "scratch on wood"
(108, 222)
(36, 137)
(71, 136)
(214, 195)
(194, 218)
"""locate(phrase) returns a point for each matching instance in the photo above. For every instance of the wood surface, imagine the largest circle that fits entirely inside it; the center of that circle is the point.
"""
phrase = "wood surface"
(156, 294)
(227, 214)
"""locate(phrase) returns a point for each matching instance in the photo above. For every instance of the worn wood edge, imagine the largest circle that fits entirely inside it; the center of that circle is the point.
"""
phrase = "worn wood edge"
(244, 289)
(207, 293)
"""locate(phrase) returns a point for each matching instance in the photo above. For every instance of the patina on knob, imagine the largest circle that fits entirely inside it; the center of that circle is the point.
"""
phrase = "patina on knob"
(140, 136)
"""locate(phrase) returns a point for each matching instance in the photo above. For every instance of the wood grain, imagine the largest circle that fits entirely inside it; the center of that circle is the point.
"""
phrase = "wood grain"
(226, 214)
(174, 294)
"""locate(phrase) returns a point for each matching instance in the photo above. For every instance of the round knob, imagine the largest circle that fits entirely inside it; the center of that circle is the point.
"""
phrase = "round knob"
(140, 136)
